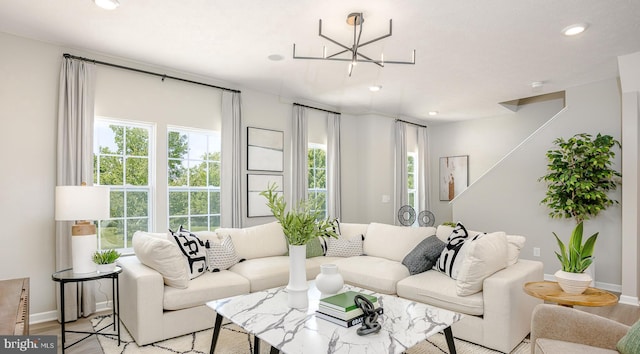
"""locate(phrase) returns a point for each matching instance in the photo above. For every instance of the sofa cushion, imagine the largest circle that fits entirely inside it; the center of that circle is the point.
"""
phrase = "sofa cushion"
(483, 256)
(192, 249)
(342, 247)
(264, 273)
(157, 252)
(393, 242)
(514, 245)
(630, 342)
(221, 255)
(374, 273)
(451, 256)
(257, 241)
(208, 287)
(438, 289)
(348, 230)
(424, 255)
(552, 346)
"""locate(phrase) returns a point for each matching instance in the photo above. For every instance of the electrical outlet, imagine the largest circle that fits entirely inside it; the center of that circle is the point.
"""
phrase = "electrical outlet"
(536, 251)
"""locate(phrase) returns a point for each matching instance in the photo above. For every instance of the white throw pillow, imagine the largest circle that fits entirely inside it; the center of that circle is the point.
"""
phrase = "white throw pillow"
(221, 255)
(483, 256)
(514, 245)
(341, 247)
(257, 241)
(162, 255)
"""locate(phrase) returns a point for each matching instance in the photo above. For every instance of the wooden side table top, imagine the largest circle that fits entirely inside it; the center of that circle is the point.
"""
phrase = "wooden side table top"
(551, 291)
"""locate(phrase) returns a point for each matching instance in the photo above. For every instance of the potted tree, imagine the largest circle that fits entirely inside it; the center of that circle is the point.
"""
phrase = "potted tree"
(300, 225)
(578, 181)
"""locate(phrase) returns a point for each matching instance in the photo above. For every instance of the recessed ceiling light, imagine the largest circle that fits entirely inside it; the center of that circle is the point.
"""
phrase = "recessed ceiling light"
(275, 57)
(575, 29)
(433, 113)
(107, 4)
(375, 88)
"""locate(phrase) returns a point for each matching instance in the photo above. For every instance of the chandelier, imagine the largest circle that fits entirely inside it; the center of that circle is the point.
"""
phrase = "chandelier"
(351, 52)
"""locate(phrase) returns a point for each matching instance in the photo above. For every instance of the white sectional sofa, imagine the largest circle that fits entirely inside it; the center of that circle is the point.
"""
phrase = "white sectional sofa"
(497, 317)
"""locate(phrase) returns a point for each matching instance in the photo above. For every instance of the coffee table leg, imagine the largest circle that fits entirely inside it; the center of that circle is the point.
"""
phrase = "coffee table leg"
(274, 350)
(216, 333)
(449, 336)
(256, 345)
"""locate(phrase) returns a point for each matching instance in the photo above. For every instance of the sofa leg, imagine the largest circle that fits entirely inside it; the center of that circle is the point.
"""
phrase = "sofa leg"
(449, 336)
(216, 333)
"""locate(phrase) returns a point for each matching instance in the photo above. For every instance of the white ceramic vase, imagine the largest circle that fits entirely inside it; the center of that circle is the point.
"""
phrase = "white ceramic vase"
(297, 287)
(573, 283)
(329, 281)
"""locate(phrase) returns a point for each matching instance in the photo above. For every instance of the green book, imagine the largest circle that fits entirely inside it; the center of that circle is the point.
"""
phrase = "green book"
(345, 301)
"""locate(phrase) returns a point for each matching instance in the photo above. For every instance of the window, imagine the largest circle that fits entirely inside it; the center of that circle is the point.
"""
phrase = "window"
(317, 188)
(193, 178)
(122, 161)
(412, 173)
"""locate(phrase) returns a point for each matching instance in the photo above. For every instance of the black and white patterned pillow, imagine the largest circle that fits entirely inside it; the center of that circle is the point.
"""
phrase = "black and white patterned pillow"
(449, 260)
(221, 256)
(193, 250)
(339, 247)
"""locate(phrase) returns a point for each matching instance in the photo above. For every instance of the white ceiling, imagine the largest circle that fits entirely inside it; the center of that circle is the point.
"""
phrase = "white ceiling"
(470, 54)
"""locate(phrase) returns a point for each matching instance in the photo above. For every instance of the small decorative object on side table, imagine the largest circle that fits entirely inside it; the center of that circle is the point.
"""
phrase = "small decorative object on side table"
(551, 291)
(68, 276)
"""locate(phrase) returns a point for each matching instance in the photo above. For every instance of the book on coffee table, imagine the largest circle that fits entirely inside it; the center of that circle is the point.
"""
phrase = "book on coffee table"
(345, 301)
(345, 323)
(342, 314)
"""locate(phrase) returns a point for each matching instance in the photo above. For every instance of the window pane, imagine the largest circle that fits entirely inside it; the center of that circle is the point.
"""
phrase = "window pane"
(197, 146)
(178, 203)
(177, 174)
(116, 204)
(137, 204)
(177, 145)
(199, 203)
(137, 171)
(197, 173)
(214, 204)
(410, 164)
(174, 223)
(199, 223)
(105, 138)
(412, 199)
(137, 142)
(134, 225)
(410, 182)
(215, 222)
(214, 174)
(321, 179)
(112, 234)
(111, 170)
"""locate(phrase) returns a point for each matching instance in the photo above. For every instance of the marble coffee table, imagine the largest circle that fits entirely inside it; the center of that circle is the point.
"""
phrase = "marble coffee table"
(265, 314)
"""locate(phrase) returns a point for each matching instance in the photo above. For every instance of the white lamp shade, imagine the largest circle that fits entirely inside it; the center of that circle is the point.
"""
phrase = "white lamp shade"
(82, 203)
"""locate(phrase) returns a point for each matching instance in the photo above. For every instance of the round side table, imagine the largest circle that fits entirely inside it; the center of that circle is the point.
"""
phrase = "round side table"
(551, 291)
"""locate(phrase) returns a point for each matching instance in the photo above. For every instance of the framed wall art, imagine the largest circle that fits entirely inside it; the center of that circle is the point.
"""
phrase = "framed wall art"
(265, 150)
(256, 183)
(454, 176)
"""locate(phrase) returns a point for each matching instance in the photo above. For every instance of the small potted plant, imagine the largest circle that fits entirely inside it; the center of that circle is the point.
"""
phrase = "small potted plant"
(578, 181)
(106, 260)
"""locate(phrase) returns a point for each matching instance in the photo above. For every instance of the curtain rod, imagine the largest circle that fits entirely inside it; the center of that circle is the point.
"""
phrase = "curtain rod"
(317, 109)
(416, 124)
(163, 76)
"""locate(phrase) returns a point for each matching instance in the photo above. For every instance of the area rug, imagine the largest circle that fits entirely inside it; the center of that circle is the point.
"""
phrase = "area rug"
(233, 340)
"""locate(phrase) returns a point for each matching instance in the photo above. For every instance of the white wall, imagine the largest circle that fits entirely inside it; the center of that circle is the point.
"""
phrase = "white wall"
(513, 192)
(486, 141)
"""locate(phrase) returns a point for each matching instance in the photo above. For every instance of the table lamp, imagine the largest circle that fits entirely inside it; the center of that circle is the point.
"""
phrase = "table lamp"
(82, 204)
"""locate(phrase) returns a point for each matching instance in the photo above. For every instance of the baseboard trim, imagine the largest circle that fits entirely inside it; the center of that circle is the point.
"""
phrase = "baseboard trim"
(53, 315)
(629, 300)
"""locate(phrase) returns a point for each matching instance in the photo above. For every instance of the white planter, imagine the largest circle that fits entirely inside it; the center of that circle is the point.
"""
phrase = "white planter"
(573, 283)
(329, 281)
(297, 287)
(106, 268)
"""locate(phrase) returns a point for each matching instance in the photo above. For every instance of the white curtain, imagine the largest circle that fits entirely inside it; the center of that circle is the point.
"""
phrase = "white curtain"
(299, 148)
(334, 193)
(74, 165)
(401, 196)
(423, 170)
(232, 160)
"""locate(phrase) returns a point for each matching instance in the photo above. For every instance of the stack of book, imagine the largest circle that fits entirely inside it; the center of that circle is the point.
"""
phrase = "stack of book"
(342, 310)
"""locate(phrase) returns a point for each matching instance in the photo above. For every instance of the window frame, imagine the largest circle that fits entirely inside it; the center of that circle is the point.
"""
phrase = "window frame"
(412, 191)
(315, 191)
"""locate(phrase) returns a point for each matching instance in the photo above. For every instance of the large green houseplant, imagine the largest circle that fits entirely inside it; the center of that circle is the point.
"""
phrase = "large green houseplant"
(578, 181)
(300, 225)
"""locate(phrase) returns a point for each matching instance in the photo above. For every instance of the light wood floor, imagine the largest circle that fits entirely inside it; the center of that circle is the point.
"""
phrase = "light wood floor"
(626, 314)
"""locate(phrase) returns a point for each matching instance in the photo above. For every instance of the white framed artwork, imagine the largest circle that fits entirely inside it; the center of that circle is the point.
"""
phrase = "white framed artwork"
(256, 183)
(265, 150)
(454, 176)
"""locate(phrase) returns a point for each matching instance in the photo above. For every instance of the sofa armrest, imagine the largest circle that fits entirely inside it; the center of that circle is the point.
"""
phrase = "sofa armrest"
(141, 300)
(507, 308)
(571, 325)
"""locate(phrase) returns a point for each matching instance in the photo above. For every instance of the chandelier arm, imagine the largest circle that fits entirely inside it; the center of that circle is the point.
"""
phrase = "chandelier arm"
(369, 60)
(331, 40)
(356, 42)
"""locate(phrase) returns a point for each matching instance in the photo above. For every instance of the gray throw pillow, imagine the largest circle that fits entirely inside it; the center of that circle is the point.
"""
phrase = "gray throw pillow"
(424, 255)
